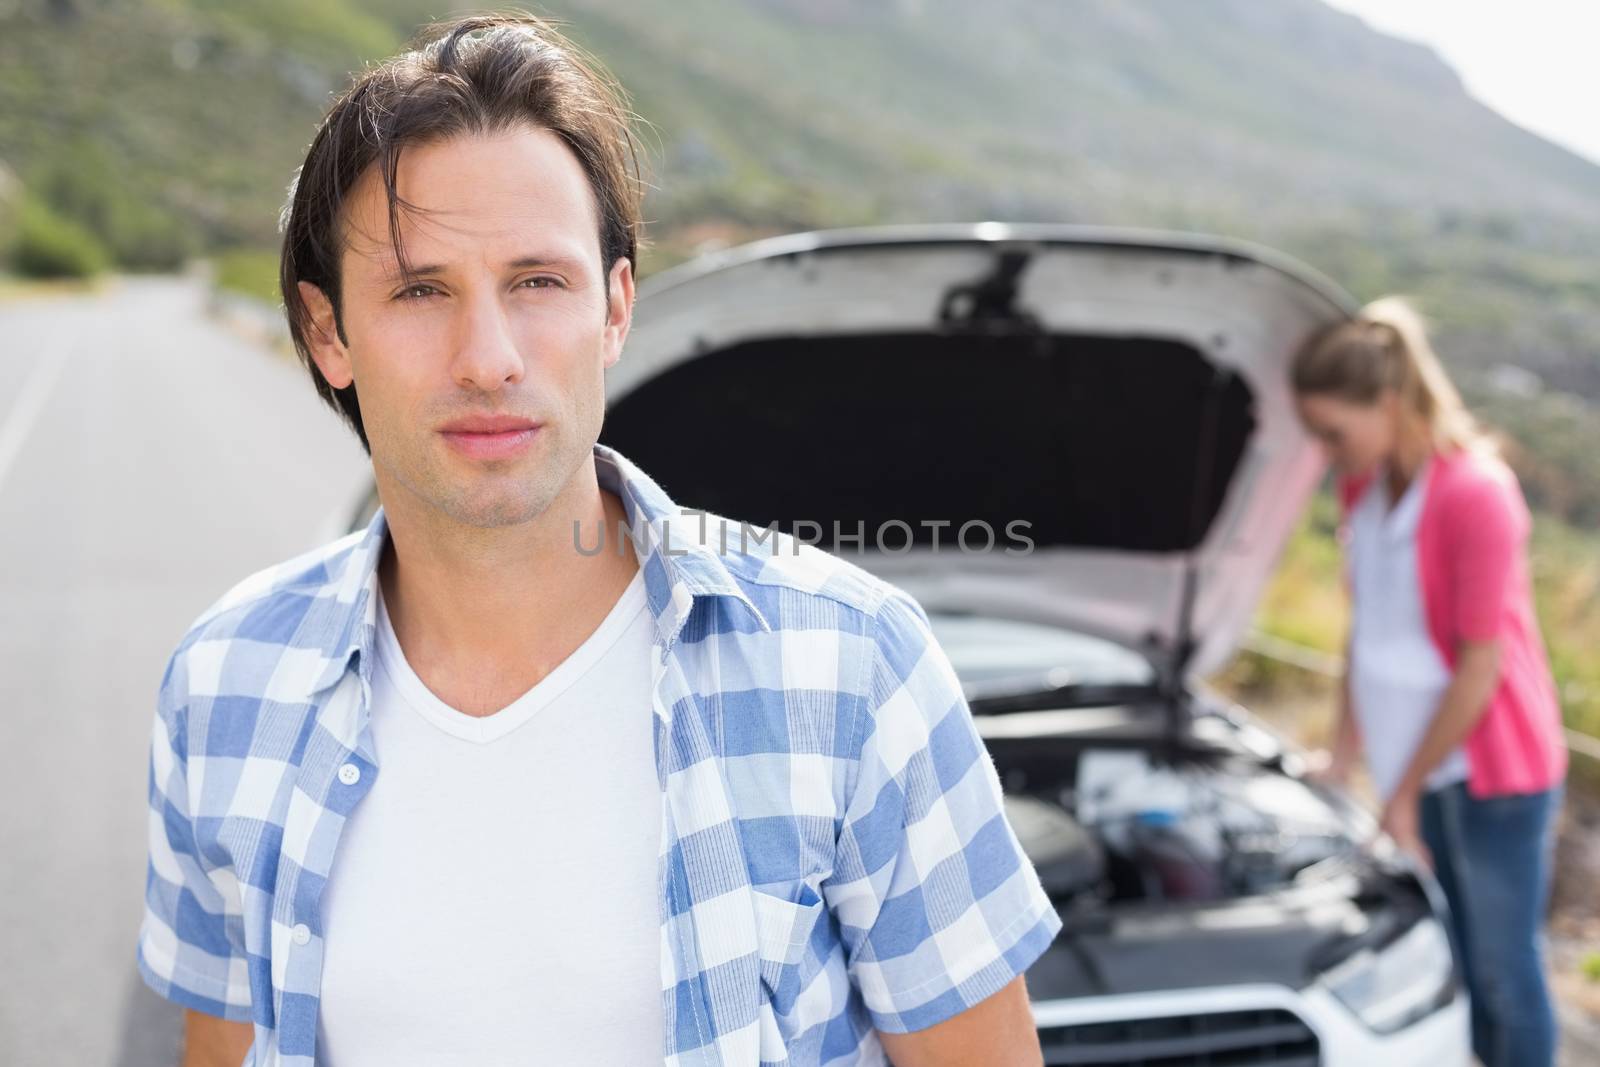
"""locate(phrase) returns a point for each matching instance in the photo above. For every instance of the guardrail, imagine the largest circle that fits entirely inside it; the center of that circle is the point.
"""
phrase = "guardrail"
(1329, 665)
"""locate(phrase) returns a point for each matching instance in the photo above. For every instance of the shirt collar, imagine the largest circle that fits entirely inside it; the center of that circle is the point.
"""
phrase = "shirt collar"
(679, 550)
(1397, 518)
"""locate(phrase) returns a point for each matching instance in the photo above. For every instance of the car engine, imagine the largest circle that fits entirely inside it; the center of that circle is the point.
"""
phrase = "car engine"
(1131, 827)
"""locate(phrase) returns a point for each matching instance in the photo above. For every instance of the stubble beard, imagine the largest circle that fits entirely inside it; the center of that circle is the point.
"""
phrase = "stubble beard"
(495, 494)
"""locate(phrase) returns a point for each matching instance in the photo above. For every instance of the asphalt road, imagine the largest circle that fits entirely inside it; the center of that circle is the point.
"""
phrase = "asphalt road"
(149, 458)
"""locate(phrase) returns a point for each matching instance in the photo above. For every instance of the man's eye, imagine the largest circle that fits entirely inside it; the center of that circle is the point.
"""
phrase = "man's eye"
(420, 290)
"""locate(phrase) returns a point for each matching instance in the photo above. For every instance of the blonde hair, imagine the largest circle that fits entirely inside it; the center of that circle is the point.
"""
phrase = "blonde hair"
(1386, 347)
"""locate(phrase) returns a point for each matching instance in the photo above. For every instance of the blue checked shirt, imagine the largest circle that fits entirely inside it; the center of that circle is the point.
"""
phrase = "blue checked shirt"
(834, 859)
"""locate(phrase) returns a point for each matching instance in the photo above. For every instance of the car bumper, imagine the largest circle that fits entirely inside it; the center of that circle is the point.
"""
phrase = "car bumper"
(1441, 1039)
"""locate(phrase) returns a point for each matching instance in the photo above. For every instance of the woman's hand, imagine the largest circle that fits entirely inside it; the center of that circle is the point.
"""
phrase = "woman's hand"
(1402, 822)
(1329, 768)
(1476, 674)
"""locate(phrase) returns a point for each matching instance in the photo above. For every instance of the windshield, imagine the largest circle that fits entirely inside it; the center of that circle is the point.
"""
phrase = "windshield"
(994, 656)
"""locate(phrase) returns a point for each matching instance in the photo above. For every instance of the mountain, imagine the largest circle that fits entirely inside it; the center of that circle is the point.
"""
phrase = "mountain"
(167, 127)
(1236, 112)
(1145, 110)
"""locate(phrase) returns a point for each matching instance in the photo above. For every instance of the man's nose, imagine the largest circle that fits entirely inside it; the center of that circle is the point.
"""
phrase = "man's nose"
(486, 355)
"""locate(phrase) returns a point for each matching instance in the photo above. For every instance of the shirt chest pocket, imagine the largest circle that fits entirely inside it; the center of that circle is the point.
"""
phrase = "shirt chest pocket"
(784, 930)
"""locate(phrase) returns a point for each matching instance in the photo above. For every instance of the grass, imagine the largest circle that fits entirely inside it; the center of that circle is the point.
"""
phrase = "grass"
(17, 287)
(250, 271)
(1566, 581)
(1306, 603)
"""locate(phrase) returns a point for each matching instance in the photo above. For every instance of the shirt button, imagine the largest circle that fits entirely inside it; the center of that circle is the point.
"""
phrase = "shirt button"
(349, 774)
(301, 934)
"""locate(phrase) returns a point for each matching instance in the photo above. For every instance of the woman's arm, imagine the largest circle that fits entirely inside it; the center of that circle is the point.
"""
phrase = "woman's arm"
(1463, 704)
(1486, 527)
(1344, 750)
(1346, 735)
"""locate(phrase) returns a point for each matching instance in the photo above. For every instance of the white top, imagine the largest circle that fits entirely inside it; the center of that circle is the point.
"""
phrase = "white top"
(494, 899)
(1397, 676)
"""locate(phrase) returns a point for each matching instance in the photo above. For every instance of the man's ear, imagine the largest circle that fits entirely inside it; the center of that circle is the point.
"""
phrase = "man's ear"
(329, 353)
(619, 311)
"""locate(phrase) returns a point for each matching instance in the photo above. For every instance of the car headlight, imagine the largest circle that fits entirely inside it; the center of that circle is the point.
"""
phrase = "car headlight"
(1392, 987)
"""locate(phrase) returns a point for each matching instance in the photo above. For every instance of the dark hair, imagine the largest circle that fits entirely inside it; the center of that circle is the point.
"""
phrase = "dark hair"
(479, 74)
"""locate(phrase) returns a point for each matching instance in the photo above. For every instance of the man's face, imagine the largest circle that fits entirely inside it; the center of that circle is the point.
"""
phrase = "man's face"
(505, 327)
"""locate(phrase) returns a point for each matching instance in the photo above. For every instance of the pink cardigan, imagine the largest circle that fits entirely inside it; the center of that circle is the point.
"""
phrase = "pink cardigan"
(1472, 563)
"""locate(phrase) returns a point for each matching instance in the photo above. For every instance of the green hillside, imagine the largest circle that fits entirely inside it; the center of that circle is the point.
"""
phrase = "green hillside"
(1227, 113)
(157, 129)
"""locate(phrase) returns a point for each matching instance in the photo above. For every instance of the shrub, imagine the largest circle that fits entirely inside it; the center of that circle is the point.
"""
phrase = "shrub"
(251, 271)
(48, 246)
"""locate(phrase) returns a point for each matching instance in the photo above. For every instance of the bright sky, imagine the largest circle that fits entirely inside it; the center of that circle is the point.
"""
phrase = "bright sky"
(1532, 60)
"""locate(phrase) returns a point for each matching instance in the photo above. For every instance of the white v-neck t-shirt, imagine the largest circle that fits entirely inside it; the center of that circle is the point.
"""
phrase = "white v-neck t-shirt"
(1397, 676)
(494, 899)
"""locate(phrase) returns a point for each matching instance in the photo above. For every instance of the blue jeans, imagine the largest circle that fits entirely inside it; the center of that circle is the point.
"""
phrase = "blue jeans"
(1493, 858)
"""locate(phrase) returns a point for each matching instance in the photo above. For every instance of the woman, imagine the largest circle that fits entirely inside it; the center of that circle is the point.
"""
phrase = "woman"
(1448, 692)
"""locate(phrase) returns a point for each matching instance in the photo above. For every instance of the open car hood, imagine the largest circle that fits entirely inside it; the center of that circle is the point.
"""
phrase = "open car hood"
(1111, 407)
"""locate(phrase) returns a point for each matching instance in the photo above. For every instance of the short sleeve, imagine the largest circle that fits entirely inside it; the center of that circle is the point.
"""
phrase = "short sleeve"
(1485, 533)
(191, 943)
(938, 906)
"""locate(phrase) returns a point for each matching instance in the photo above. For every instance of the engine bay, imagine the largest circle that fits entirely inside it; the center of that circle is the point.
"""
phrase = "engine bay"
(1161, 823)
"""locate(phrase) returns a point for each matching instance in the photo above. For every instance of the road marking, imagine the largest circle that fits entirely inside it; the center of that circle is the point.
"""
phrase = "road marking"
(30, 402)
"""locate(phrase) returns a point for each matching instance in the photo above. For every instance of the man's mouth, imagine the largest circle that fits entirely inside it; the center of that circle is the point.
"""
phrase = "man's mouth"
(489, 436)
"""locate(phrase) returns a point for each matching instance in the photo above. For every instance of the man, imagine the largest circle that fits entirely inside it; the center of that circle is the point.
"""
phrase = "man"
(460, 789)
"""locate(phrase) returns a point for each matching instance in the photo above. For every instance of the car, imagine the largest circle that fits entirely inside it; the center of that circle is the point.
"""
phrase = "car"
(1077, 449)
